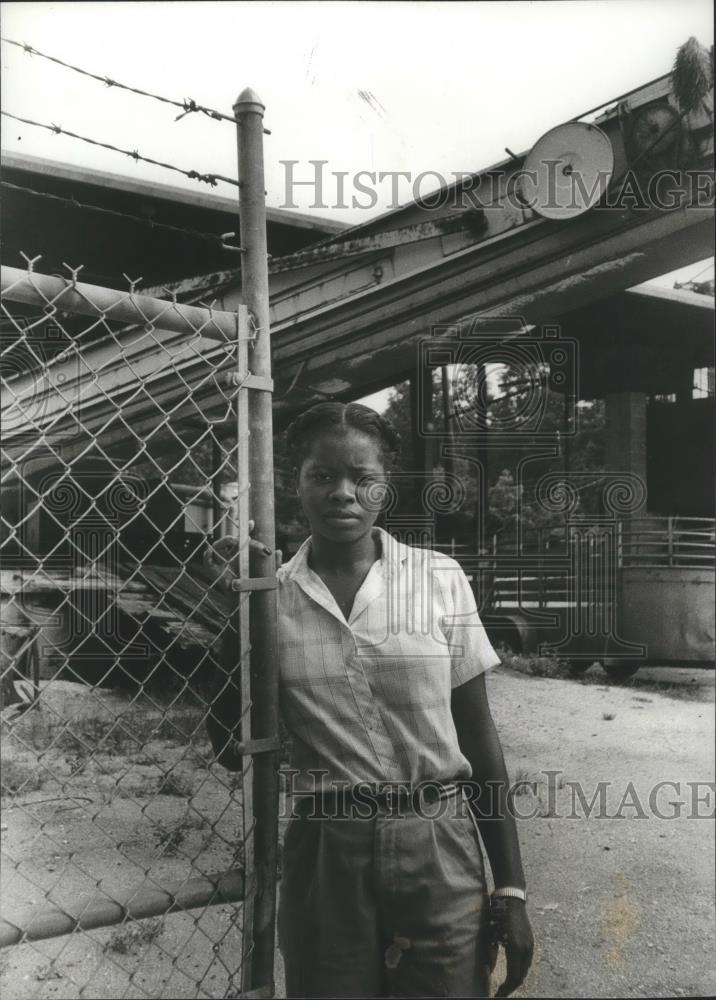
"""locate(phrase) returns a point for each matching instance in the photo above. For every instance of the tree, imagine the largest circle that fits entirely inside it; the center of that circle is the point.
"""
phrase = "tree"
(517, 403)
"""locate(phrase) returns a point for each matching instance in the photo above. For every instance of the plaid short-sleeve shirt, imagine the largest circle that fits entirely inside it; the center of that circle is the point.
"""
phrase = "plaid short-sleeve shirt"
(368, 699)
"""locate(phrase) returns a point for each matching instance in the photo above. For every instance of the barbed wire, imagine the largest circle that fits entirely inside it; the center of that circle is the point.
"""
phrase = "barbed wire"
(211, 179)
(73, 203)
(188, 104)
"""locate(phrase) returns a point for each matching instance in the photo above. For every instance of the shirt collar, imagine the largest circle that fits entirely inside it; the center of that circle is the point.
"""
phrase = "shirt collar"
(393, 553)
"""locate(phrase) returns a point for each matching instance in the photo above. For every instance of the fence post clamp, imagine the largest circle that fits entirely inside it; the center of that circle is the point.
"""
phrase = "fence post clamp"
(247, 380)
(249, 583)
(249, 748)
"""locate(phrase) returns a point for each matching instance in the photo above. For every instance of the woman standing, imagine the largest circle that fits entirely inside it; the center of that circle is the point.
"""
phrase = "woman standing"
(396, 761)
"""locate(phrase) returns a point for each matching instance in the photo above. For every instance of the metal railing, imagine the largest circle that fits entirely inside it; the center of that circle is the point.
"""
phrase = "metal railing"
(134, 864)
(537, 570)
(687, 542)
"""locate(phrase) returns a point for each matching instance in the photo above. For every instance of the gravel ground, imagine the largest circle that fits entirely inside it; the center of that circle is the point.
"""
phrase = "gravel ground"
(621, 907)
(110, 810)
(621, 901)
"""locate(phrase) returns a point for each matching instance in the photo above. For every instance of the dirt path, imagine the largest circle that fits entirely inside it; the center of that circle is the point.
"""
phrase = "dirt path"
(621, 907)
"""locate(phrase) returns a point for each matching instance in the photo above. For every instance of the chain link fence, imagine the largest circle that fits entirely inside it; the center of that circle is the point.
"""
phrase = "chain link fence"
(127, 852)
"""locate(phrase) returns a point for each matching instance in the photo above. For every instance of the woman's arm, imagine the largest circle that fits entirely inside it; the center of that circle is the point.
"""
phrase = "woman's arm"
(480, 743)
(224, 715)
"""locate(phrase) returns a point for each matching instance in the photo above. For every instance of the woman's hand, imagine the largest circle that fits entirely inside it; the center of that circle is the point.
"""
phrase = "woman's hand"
(511, 929)
(220, 554)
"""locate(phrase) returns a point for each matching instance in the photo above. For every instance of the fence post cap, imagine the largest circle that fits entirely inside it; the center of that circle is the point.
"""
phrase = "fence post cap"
(246, 99)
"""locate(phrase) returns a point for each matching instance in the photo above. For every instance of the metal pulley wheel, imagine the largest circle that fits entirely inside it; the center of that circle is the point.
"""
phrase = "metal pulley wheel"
(567, 171)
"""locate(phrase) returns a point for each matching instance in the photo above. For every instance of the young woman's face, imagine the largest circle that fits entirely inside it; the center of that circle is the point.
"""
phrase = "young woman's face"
(327, 483)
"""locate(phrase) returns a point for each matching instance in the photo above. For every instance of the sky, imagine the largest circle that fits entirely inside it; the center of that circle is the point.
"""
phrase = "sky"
(365, 86)
(441, 87)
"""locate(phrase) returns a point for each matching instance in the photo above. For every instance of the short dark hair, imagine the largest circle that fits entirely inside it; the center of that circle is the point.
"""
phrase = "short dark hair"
(331, 415)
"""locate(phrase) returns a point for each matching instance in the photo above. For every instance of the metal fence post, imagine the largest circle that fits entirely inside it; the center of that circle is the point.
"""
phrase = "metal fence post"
(248, 111)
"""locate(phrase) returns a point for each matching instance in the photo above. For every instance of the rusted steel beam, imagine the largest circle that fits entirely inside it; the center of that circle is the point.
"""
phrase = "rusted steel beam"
(557, 270)
(472, 221)
(514, 269)
(40, 922)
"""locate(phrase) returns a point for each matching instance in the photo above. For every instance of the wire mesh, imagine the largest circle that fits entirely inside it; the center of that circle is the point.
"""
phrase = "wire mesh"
(126, 849)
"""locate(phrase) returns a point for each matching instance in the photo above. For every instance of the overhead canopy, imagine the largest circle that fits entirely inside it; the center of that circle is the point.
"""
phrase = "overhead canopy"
(109, 246)
(646, 339)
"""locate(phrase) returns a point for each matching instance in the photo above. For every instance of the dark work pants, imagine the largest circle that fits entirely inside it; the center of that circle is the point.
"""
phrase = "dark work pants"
(393, 906)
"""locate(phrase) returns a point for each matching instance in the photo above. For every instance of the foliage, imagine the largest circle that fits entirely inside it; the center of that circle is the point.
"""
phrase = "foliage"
(513, 472)
(126, 940)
